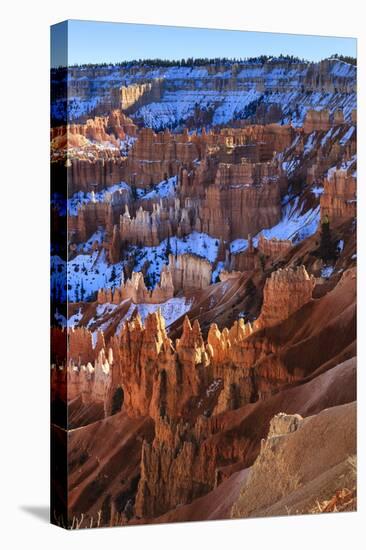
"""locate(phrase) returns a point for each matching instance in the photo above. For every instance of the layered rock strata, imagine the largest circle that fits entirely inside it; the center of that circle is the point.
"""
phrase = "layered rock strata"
(189, 272)
(285, 291)
(273, 248)
(134, 289)
(338, 201)
(155, 157)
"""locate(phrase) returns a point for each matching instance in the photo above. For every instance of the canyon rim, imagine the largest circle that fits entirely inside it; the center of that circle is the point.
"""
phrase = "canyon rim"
(203, 276)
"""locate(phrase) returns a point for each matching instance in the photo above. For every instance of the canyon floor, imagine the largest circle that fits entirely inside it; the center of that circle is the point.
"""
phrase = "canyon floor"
(203, 285)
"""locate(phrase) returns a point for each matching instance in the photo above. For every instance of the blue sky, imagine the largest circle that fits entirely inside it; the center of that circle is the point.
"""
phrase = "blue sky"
(95, 42)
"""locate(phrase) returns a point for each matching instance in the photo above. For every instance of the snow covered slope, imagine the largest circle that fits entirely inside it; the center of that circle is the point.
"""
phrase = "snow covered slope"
(222, 92)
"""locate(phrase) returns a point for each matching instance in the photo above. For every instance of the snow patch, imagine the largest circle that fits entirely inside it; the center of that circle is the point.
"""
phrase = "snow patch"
(238, 245)
(162, 190)
(196, 243)
(294, 226)
(105, 195)
(327, 272)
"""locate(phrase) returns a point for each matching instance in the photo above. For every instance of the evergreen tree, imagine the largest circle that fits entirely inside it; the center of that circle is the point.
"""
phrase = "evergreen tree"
(168, 249)
(113, 275)
(82, 290)
(327, 248)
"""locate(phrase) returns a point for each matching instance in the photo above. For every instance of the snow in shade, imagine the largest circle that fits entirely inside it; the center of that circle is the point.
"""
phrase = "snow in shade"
(317, 191)
(171, 310)
(346, 165)
(78, 199)
(96, 237)
(74, 320)
(126, 144)
(196, 243)
(103, 309)
(327, 271)
(84, 275)
(162, 190)
(290, 166)
(309, 145)
(61, 319)
(178, 103)
(216, 272)
(347, 136)
(238, 245)
(59, 202)
(294, 226)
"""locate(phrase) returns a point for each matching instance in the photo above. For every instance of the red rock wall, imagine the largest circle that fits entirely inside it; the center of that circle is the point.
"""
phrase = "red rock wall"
(285, 291)
(338, 201)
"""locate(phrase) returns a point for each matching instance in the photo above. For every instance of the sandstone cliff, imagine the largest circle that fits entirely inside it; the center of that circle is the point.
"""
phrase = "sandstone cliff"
(189, 272)
(338, 201)
(285, 291)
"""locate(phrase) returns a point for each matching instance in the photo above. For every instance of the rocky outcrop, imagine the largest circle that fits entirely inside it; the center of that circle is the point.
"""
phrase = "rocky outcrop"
(136, 95)
(273, 248)
(189, 272)
(338, 202)
(172, 459)
(229, 212)
(98, 129)
(227, 275)
(80, 350)
(285, 477)
(152, 376)
(285, 291)
(316, 121)
(149, 366)
(95, 214)
(146, 228)
(155, 157)
(282, 424)
(246, 174)
(96, 173)
(92, 383)
(134, 289)
(92, 152)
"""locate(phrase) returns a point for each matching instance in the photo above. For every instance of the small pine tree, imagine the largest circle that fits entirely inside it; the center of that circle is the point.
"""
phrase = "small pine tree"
(134, 192)
(113, 275)
(168, 249)
(82, 290)
(262, 260)
(327, 248)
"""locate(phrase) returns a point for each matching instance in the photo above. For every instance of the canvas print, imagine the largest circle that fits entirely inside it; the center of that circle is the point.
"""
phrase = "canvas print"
(203, 274)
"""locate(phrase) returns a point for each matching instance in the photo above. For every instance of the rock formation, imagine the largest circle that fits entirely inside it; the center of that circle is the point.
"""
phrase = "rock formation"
(150, 368)
(95, 214)
(134, 289)
(316, 121)
(136, 95)
(273, 248)
(338, 201)
(189, 272)
(230, 212)
(285, 291)
(155, 157)
(98, 129)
